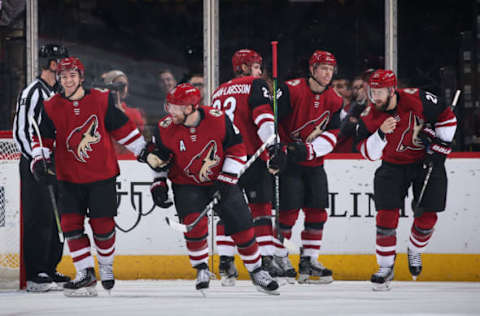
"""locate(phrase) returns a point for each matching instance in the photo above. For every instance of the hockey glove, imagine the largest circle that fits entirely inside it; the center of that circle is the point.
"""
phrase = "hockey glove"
(159, 190)
(157, 159)
(357, 109)
(437, 153)
(43, 170)
(300, 151)
(225, 182)
(426, 136)
(278, 158)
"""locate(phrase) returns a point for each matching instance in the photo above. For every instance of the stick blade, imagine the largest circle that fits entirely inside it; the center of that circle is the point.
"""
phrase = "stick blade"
(176, 225)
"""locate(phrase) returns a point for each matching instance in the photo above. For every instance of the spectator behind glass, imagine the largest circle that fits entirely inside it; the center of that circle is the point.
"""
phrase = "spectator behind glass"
(166, 81)
(351, 113)
(342, 86)
(196, 80)
(117, 82)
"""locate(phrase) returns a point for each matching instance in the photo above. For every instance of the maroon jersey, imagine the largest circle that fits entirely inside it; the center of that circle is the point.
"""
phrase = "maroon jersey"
(309, 117)
(246, 101)
(82, 131)
(414, 109)
(200, 153)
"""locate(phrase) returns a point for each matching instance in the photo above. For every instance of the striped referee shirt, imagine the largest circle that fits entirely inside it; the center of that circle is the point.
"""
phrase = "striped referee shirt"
(29, 104)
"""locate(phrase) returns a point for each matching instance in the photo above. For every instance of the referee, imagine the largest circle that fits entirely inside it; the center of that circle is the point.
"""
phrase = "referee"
(42, 250)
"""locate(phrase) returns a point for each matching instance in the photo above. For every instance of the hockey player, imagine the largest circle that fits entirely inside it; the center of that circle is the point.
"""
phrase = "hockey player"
(309, 118)
(82, 123)
(205, 153)
(245, 100)
(411, 131)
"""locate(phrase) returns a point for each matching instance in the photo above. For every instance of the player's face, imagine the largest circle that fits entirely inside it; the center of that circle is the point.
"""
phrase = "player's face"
(177, 112)
(379, 97)
(70, 80)
(256, 70)
(323, 73)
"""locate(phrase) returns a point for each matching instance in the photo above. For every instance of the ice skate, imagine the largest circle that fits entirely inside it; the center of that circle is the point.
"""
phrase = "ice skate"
(414, 263)
(83, 285)
(264, 282)
(40, 283)
(106, 275)
(59, 279)
(228, 271)
(381, 279)
(203, 278)
(313, 272)
(288, 271)
(269, 265)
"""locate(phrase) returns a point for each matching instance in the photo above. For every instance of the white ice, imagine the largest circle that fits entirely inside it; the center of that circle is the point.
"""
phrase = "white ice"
(178, 297)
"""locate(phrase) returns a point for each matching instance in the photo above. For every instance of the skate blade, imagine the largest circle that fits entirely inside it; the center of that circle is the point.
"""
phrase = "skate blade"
(81, 292)
(58, 287)
(260, 289)
(228, 281)
(381, 287)
(281, 281)
(414, 277)
(307, 279)
(291, 280)
(40, 288)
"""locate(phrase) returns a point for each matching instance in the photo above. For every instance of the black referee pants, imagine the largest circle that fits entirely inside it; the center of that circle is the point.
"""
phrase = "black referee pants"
(42, 250)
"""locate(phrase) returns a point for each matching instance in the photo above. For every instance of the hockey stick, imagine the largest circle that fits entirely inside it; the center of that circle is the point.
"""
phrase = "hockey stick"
(216, 196)
(49, 186)
(275, 115)
(417, 211)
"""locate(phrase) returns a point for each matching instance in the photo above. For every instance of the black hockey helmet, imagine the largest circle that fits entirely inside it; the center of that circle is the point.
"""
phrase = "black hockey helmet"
(49, 52)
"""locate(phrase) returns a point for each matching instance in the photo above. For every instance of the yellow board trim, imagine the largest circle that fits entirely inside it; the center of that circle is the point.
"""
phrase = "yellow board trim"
(436, 267)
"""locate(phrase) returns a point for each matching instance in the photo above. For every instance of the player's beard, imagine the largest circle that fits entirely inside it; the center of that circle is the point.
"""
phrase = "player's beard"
(178, 119)
(382, 106)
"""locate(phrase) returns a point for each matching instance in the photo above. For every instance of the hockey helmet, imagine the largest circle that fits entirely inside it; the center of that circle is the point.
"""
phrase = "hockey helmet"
(382, 78)
(71, 63)
(184, 94)
(245, 56)
(322, 57)
(49, 52)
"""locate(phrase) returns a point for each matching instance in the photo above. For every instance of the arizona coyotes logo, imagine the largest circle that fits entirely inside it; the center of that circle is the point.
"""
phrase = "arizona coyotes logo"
(81, 139)
(204, 162)
(314, 128)
(166, 122)
(409, 139)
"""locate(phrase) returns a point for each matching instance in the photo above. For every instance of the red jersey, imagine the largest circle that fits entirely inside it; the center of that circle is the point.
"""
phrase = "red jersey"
(136, 116)
(200, 153)
(82, 131)
(246, 101)
(414, 108)
(309, 117)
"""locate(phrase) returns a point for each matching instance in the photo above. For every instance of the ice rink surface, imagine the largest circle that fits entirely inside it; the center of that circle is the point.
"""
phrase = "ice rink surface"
(178, 297)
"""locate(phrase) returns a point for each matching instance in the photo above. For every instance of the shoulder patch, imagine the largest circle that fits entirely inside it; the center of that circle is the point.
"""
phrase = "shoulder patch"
(101, 90)
(366, 111)
(410, 90)
(166, 122)
(215, 112)
(294, 82)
